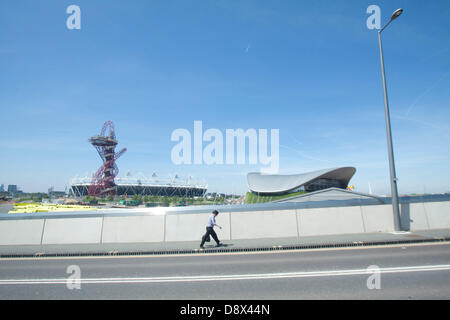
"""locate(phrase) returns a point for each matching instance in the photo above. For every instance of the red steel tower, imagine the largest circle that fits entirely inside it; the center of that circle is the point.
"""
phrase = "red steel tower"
(103, 180)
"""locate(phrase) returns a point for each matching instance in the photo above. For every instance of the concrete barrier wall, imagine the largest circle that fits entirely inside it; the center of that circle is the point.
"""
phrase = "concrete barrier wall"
(21, 232)
(236, 225)
(263, 224)
(133, 229)
(191, 227)
(438, 214)
(72, 230)
(378, 218)
(323, 221)
(413, 216)
(424, 216)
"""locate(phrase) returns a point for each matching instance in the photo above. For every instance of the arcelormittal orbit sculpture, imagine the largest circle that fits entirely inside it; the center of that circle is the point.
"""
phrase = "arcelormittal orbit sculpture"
(103, 180)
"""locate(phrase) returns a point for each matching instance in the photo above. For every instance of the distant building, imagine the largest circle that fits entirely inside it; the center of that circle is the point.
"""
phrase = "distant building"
(146, 187)
(58, 194)
(275, 184)
(12, 188)
(53, 193)
(2, 188)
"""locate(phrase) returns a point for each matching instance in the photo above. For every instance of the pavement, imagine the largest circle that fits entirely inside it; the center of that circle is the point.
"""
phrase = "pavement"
(402, 271)
(235, 245)
(5, 208)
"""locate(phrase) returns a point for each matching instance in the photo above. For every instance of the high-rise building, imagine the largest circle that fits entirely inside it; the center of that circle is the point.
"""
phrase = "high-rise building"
(2, 188)
(12, 188)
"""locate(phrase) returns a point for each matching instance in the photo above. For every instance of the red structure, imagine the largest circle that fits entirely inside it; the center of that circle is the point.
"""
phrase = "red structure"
(103, 180)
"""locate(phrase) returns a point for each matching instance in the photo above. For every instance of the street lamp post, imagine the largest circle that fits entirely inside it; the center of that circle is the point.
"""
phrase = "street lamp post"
(395, 205)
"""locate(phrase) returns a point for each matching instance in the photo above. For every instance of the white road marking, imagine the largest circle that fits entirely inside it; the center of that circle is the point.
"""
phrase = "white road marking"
(260, 276)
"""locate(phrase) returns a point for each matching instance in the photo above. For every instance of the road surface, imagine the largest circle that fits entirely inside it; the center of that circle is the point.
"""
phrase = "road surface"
(418, 271)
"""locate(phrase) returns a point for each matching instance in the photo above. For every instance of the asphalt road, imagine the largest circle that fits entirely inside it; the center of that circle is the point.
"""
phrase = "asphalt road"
(405, 272)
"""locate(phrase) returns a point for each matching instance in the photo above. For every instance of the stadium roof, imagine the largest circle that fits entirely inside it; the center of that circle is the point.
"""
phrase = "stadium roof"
(275, 183)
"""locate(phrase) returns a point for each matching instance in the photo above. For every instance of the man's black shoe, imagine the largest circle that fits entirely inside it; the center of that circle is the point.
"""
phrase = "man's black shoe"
(202, 247)
(219, 245)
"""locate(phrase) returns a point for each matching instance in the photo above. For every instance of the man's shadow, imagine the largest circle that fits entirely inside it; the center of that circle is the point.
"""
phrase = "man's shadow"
(213, 246)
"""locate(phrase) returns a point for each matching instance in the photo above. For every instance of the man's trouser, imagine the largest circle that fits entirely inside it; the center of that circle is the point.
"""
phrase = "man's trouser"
(210, 231)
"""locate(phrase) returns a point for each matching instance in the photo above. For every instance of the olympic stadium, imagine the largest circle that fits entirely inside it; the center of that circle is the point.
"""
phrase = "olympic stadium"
(274, 184)
(105, 181)
(154, 186)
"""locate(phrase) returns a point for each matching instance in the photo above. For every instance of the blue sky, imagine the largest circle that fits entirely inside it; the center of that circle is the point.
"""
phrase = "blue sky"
(308, 68)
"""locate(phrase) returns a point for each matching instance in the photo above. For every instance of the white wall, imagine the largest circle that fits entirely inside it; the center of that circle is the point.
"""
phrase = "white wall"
(263, 224)
(323, 221)
(413, 216)
(21, 232)
(438, 214)
(191, 227)
(133, 229)
(72, 230)
(378, 218)
(236, 225)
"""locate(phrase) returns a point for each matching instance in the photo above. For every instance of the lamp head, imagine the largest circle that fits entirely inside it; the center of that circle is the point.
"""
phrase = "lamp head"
(396, 14)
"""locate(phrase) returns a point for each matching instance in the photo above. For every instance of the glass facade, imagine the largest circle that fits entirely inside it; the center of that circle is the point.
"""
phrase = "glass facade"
(321, 184)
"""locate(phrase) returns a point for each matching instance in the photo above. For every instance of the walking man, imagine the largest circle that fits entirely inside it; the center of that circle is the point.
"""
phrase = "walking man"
(210, 229)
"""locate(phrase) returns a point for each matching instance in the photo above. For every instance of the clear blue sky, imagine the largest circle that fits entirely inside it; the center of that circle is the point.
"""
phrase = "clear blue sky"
(308, 68)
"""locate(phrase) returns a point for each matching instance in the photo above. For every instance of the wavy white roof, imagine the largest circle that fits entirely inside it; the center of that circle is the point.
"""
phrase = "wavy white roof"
(275, 183)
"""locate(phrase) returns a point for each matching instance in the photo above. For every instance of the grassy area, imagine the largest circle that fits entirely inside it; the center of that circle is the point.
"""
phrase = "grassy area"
(152, 201)
(254, 198)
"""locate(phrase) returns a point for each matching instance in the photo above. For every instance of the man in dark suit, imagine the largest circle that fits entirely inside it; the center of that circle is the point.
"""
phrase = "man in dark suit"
(210, 229)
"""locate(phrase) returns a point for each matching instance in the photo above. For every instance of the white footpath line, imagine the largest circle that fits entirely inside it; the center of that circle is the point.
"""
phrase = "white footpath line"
(262, 276)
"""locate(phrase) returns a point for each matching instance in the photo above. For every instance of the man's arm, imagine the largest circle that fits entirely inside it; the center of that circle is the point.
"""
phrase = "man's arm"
(216, 223)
